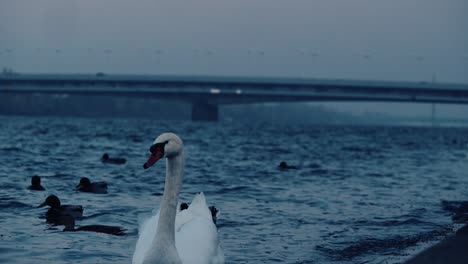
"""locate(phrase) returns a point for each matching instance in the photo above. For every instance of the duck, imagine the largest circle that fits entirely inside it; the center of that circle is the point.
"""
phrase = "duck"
(186, 236)
(106, 159)
(285, 166)
(57, 211)
(213, 210)
(36, 184)
(86, 185)
(69, 223)
(183, 206)
(214, 213)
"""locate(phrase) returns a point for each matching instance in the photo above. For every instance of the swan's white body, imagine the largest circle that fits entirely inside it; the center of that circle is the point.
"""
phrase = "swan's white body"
(170, 236)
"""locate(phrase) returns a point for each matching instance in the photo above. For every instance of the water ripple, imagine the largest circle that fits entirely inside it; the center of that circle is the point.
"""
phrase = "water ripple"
(359, 195)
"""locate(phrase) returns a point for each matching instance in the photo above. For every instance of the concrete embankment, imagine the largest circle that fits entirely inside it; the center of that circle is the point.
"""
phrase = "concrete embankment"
(452, 250)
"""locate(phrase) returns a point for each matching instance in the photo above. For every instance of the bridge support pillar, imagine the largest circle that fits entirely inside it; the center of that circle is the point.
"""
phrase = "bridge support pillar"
(204, 112)
(433, 114)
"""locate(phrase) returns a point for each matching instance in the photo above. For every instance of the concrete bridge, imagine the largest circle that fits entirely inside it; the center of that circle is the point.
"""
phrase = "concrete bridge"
(206, 93)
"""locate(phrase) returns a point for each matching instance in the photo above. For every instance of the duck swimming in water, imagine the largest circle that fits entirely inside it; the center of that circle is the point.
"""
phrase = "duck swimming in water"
(86, 185)
(36, 184)
(213, 210)
(183, 206)
(106, 159)
(69, 223)
(57, 211)
(284, 166)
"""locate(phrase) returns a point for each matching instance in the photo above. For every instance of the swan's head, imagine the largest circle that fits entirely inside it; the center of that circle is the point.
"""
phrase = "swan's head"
(167, 145)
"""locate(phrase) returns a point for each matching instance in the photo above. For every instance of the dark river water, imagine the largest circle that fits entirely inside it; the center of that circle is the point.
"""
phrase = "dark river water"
(359, 195)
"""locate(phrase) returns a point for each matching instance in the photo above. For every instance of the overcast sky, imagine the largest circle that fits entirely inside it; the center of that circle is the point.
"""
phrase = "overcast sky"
(412, 40)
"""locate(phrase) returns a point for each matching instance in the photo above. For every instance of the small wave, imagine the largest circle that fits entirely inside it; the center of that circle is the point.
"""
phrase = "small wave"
(134, 138)
(104, 135)
(382, 246)
(11, 149)
(374, 174)
(230, 189)
(314, 166)
(410, 144)
(319, 171)
(359, 149)
(228, 223)
(394, 222)
(96, 215)
(43, 131)
(457, 209)
(61, 175)
(13, 204)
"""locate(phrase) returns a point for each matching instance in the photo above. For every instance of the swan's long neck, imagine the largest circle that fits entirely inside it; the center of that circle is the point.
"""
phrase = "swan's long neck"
(174, 174)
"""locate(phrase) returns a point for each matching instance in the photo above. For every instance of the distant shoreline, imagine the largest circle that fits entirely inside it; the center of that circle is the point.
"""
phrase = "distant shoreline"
(422, 124)
(278, 113)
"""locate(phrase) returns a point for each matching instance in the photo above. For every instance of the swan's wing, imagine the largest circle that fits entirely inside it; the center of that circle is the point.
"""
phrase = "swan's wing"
(147, 233)
(199, 207)
(197, 242)
(196, 234)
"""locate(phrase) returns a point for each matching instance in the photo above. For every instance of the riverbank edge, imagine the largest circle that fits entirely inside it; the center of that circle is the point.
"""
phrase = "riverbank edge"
(453, 249)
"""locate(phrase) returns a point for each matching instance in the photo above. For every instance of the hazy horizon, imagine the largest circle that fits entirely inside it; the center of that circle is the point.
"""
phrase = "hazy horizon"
(361, 39)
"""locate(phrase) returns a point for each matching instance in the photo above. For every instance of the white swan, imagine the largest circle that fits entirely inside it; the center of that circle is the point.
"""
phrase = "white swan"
(188, 236)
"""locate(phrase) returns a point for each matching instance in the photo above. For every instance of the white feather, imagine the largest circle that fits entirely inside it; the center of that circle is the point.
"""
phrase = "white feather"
(195, 233)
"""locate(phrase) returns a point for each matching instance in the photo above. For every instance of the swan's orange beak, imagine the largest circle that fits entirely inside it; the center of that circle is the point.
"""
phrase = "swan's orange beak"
(157, 155)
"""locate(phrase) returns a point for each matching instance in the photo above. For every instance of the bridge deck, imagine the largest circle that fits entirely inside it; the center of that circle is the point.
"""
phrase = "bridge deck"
(230, 90)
